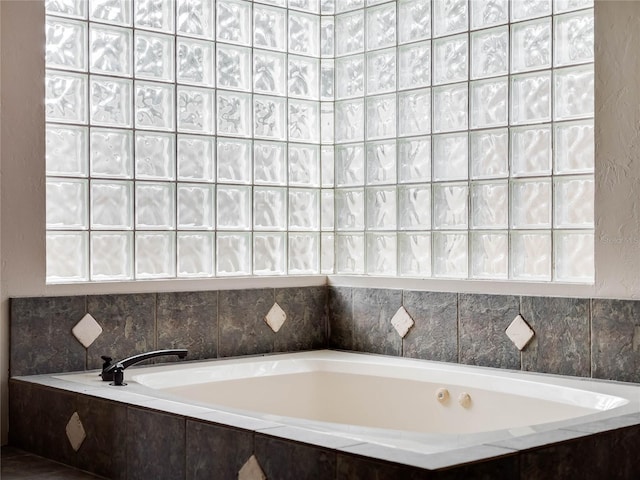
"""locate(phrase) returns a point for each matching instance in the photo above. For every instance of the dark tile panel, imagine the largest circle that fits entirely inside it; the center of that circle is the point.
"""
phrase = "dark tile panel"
(561, 344)
(24, 415)
(340, 301)
(19, 465)
(373, 310)
(306, 325)
(434, 336)
(352, 467)
(284, 460)
(41, 339)
(189, 320)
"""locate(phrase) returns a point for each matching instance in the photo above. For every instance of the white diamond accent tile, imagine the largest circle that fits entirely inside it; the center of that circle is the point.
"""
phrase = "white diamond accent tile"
(276, 317)
(402, 321)
(87, 330)
(519, 332)
(75, 431)
(251, 470)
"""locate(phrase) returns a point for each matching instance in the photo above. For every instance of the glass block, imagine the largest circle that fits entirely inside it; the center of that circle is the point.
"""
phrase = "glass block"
(304, 253)
(381, 26)
(327, 164)
(560, 6)
(523, 9)
(195, 159)
(531, 151)
(233, 67)
(111, 256)
(349, 165)
(269, 253)
(350, 121)
(414, 70)
(67, 204)
(327, 37)
(110, 100)
(381, 117)
(269, 28)
(66, 8)
(115, 12)
(414, 160)
(486, 13)
(415, 112)
(312, 6)
(233, 208)
(111, 153)
(233, 254)
(531, 45)
(269, 208)
(155, 106)
(304, 33)
(381, 208)
(490, 205)
(234, 22)
(382, 254)
(196, 209)
(346, 5)
(574, 147)
(279, 3)
(155, 255)
(327, 7)
(414, 211)
(531, 256)
(154, 15)
(67, 257)
(234, 114)
(269, 117)
(155, 206)
(269, 163)
(65, 44)
(490, 52)
(531, 98)
(195, 110)
(489, 103)
(574, 38)
(269, 73)
(195, 18)
(195, 63)
(196, 254)
(304, 209)
(327, 210)
(451, 59)
(450, 16)
(381, 162)
(110, 50)
(450, 106)
(414, 20)
(531, 203)
(574, 93)
(234, 161)
(490, 255)
(304, 121)
(450, 254)
(67, 151)
(349, 209)
(350, 77)
(350, 33)
(451, 157)
(574, 256)
(573, 202)
(155, 156)
(490, 153)
(327, 127)
(327, 253)
(111, 205)
(414, 254)
(66, 97)
(304, 165)
(450, 205)
(381, 68)
(327, 83)
(303, 77)
(349, 252)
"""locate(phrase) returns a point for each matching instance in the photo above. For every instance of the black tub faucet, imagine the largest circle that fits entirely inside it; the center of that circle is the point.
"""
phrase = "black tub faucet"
(114, 372)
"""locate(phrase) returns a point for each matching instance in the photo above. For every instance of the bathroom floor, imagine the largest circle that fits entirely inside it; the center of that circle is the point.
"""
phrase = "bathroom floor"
(19, 465)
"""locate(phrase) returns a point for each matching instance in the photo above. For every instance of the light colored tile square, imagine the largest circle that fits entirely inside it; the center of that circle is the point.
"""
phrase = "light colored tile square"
(519, 332)
(402, 321)
(275, 318)
(86, 330)
(75, 431)
(251, 470)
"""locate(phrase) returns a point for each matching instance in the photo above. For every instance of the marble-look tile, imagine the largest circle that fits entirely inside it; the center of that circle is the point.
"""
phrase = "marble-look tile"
(128, 323)
(562, 335)
(352, 467)
(306, 324)
(189, 320)
(155, 445)
(41, 339)
(340, 317)
(284, 460)
(483, 321)
(615, 339)
(373, 310)
(213, 448)
(242, 329)
(434, 336)
(24, 417)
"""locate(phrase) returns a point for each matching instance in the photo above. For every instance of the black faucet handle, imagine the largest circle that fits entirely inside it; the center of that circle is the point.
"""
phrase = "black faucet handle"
(107, 361)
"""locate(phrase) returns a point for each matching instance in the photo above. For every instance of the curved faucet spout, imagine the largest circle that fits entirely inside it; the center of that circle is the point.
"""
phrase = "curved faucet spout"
(114, 371)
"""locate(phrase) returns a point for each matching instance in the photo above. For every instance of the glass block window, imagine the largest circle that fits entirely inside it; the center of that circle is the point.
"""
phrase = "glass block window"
(419, 138)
